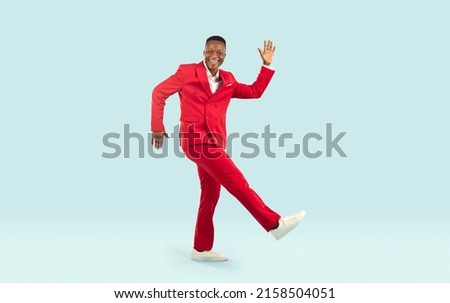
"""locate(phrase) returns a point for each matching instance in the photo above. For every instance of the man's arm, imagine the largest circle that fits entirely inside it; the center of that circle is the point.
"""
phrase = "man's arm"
(256, 89)
(160, 94)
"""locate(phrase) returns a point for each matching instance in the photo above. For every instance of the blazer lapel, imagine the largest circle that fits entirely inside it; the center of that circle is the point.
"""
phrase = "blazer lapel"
(201, 74)
(226, 81)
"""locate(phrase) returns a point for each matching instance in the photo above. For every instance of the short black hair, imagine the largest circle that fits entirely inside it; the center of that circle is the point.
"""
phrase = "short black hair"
(216, 38)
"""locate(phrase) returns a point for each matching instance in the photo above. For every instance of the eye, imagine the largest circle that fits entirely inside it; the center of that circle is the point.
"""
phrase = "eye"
(211, 52)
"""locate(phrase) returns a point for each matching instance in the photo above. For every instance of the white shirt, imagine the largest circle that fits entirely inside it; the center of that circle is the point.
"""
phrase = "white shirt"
(214, 81)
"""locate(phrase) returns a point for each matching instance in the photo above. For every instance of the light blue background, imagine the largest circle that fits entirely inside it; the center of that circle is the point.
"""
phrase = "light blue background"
(72, 71)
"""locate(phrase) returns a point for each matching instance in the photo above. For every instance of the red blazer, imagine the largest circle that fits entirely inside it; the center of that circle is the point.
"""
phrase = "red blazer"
(203, 114)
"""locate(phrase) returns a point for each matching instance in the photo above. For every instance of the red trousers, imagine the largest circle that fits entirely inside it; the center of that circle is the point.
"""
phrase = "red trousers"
(216, 169)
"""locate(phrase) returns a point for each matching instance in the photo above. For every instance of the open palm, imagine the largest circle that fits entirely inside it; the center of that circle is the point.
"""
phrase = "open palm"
(267, 52)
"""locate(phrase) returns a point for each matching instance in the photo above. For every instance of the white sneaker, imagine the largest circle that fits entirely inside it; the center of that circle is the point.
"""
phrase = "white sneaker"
(286, 224)
(209, 255)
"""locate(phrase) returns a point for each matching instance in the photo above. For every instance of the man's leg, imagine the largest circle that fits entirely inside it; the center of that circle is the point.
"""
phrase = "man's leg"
(204, 228)
(219, 165)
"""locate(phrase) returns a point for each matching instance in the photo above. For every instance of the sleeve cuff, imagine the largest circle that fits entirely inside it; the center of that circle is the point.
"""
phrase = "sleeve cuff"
(268, 67)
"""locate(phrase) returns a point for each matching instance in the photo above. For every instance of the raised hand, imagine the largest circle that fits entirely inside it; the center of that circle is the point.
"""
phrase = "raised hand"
(267, 52)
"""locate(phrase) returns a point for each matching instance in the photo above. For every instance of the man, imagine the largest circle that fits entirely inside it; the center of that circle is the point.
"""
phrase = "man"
(205, 92)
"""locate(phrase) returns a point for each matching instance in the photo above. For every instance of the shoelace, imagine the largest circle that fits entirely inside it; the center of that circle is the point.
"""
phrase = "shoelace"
(290, 218)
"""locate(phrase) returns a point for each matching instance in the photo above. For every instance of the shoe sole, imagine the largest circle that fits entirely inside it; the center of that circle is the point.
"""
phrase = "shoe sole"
(208, 259)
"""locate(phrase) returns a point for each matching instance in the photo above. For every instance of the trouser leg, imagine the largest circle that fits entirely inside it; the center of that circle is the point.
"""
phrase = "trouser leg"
(220, 166)
(204, 227)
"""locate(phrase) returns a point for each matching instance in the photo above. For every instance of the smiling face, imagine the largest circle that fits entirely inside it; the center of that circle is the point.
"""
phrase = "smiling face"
(214, 54)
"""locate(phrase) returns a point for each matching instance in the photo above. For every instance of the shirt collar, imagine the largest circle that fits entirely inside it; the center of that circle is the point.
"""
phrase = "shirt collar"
(208, 73)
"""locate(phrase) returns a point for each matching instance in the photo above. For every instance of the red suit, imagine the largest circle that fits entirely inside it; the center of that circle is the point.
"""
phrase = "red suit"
(203, 139)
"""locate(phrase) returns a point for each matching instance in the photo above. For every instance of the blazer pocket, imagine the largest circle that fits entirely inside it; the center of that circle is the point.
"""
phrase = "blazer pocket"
(189, 119)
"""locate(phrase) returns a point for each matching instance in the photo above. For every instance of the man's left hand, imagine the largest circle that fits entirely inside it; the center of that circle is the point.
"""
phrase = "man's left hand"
(267, 53)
